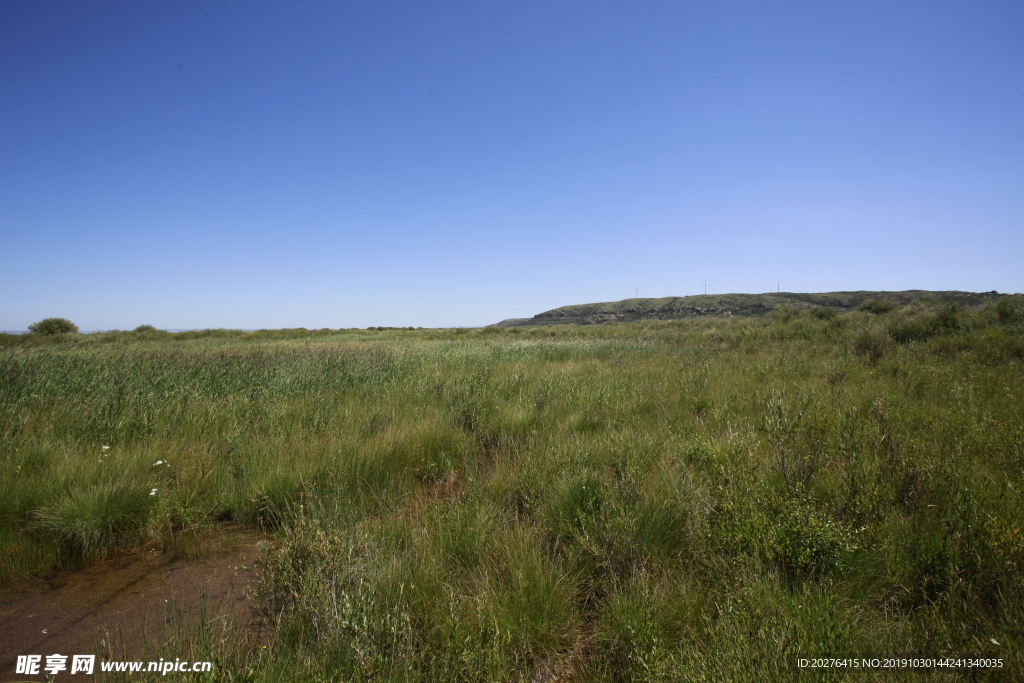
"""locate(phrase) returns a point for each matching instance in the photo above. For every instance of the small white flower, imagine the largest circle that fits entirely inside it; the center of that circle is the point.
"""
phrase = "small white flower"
(158, 462)
(104, 448)
(153, 492)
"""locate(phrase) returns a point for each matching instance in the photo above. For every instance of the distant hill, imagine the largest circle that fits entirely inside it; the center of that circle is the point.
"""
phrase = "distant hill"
(678, 307)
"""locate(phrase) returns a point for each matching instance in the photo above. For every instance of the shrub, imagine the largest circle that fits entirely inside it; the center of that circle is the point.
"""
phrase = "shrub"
(926, 324)
(914, 328)
(785, 313)
(998, 344)
(806, 542)
(871, 343)
(948, 319)
(53, 326)
(1010, 309)
(700, 452)
(643, 621)
(877, 306)
(790, 536)
(823, 313)
(145, 328)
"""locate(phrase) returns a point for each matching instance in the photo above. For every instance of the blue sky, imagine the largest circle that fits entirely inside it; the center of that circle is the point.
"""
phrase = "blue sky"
(346, 164)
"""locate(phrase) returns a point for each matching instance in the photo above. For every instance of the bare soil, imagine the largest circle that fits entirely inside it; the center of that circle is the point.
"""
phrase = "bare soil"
(135, 604)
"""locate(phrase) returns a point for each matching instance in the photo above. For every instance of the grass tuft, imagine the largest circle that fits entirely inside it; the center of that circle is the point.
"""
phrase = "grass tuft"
(97, 520)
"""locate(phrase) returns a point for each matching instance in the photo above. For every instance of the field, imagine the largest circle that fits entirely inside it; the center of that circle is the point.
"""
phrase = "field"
(694, 500)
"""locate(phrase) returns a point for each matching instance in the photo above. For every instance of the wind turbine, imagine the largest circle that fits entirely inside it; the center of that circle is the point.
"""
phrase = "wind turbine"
(636, 291)
(705, 285)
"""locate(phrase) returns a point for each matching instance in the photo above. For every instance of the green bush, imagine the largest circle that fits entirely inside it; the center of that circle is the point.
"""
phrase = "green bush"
(145, 328)
(700, 452)
(784, 313)
(949, 319)
(1010, 309)
(925, 324)
(914, 328)
(805, 542)
(53, 326)
(642, 625)
(999, 345)
(877, 306)
(872, 343)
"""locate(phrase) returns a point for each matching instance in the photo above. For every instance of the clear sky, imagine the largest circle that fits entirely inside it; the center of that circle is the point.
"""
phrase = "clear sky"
(346, 164)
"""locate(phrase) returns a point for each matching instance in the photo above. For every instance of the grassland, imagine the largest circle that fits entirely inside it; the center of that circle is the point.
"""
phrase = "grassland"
(698, 500)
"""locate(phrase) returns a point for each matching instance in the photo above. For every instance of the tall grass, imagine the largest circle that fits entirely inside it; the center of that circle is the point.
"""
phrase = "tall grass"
(692, 500)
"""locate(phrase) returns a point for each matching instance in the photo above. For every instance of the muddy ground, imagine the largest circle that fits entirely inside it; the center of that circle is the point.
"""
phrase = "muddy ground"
(133, 606)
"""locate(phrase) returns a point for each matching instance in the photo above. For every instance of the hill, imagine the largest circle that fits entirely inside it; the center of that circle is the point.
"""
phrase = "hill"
(678, 307)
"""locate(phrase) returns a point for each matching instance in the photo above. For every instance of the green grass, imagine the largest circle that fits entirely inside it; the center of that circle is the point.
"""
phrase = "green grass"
(703, 499)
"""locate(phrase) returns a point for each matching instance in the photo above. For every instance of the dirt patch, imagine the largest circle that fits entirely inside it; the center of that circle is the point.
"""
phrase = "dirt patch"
(122, 606)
